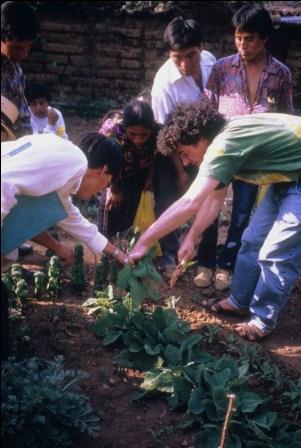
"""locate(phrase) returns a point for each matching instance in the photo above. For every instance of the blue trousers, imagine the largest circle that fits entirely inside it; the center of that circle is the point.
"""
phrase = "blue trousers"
(269, 261)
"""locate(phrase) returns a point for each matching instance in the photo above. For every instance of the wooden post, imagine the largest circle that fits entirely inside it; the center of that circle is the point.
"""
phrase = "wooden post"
(230, 410)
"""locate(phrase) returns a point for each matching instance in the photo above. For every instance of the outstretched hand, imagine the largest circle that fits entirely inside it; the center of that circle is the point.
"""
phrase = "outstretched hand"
(187, 250)
(139, 251)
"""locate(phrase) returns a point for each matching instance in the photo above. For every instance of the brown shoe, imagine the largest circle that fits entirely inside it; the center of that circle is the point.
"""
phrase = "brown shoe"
(222, 279)
(204, 277)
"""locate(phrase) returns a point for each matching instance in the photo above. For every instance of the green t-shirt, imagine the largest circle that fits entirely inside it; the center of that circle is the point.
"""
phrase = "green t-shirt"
(258, 148)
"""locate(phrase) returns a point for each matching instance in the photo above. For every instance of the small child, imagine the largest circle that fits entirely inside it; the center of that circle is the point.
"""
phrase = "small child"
(44, 119)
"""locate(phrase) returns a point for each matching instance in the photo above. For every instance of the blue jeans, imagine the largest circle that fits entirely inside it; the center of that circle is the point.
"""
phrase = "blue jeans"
(269, 261)
(244, 196)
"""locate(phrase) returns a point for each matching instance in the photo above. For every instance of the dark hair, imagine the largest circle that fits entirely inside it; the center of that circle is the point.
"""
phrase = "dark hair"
(182, 33)
(253, 19)
(36, 90)
(101, 151)
(188, 124)
(18, 22)
(138, 113)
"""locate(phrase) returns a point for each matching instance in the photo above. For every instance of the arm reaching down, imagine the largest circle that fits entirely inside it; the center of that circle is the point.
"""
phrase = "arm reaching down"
(176, 215)
(206, 215)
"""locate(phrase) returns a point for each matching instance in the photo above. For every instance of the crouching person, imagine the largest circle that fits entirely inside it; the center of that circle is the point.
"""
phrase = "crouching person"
(257, 148)
(37, 165)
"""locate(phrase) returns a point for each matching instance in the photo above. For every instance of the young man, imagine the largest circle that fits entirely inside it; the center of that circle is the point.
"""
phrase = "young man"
(181, 79)
(247, 82)
(260, 149)
(36, 165)
(19, 29)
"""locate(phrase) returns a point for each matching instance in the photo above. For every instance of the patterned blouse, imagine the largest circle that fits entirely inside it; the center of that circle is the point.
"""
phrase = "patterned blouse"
(227, 87)
(12, 87)
(135, 159)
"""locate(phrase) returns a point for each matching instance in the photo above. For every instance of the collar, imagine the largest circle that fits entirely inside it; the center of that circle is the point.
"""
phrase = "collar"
(270, 66)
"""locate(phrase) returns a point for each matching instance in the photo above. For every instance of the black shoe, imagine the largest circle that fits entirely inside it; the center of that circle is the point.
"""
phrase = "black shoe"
(25, 249)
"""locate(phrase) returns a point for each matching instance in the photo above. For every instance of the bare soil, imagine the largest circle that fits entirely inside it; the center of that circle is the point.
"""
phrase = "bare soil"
(61, 327)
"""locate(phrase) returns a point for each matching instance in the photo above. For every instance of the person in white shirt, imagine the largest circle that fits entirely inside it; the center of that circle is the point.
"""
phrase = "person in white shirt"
(36, 165)
(181, 79)
(44, 119)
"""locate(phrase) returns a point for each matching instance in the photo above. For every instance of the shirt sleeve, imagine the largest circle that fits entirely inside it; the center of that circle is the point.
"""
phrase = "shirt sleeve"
(162, 104)
(285, 100)
(81, 229)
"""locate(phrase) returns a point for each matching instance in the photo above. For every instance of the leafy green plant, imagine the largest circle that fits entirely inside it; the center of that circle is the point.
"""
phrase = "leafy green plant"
(77, 280)
(54, 276)
(202, 386)
(140, 280)
(42, 406)
(40, 282)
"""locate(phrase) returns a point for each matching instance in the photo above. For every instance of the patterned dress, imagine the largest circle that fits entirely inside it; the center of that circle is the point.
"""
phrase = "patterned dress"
(137, 169)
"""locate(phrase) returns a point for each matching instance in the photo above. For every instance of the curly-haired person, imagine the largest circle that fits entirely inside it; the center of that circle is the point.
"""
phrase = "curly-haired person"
(260, 149)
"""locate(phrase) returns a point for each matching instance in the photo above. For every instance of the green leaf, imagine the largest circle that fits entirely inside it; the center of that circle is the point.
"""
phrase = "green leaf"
(196, 401)
(249, 401)
(153, 273)
(172, 355)
(151, 292)
(219, 396)
(266, 420)
(143, 361)
(159, 318)
(182, 390)
(138, 320)
(153, 350)
(140, 270)
(124, 276)
(158, 380)
(110, 338)
(137, 291)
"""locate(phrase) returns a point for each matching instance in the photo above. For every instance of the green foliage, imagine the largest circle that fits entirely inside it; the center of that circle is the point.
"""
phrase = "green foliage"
(77, 280)
(104, 300)
(21, 290)
(42, 405)
(16, 286)
(54, 276)
(16, 273)
(201, 387)
(40, 282)
(140, 280)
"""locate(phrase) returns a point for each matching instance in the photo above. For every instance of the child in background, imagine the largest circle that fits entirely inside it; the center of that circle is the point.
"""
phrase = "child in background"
(44, 119)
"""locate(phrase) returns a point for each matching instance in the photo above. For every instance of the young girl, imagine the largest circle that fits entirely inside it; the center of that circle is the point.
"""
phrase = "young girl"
(144, 169)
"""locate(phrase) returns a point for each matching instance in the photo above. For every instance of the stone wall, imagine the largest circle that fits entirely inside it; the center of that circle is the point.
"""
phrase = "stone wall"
(117, 56)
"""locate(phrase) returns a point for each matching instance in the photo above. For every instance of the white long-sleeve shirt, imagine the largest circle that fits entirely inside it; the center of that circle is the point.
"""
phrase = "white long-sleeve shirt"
(171, 88)
(36, 165)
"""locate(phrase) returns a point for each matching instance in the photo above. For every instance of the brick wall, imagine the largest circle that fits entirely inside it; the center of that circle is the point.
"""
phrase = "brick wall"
(117, 56)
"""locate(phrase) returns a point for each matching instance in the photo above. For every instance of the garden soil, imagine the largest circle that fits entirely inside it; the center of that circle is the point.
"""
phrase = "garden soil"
(61, 327)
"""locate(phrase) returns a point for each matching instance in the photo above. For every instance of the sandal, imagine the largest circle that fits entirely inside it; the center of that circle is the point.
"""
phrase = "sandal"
(219, 308)
(251, 332)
